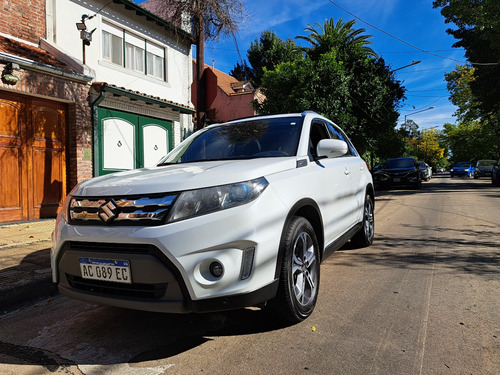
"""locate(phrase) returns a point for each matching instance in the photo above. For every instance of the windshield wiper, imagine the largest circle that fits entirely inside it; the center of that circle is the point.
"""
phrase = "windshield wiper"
(190, 161)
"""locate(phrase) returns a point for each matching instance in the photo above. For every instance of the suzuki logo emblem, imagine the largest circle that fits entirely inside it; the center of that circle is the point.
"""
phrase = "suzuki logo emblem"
(108, 211)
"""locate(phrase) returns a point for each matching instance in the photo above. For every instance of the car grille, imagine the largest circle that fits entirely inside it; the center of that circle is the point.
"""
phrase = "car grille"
(112, 247)
(137, 210)
(135, 290)
(398, 174)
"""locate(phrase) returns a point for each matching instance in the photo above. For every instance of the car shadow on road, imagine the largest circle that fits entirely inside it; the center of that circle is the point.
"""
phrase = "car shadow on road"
(103, 335)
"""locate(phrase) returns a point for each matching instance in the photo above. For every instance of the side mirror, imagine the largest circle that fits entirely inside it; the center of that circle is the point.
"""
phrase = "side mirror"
(331, 148)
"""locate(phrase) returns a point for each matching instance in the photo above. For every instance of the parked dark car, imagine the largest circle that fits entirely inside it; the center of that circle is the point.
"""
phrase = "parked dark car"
(462, 168)
(495, 174)
(483, 168)
(376, 168)
(399, 172)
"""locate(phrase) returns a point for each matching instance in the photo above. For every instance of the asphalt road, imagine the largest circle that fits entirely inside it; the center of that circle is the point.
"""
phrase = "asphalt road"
(424, 299)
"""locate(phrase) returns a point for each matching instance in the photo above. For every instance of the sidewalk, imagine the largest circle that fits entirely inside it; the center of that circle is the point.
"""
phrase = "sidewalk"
(25, 262)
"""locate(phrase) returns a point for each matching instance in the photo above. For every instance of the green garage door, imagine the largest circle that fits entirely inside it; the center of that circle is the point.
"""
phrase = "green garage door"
(129, 141)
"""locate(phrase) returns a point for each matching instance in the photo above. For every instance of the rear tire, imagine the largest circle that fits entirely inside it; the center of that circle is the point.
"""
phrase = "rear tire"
(366, 234)
(299, 276)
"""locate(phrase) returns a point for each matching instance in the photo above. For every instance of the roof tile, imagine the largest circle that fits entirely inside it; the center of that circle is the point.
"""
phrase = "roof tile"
(13, 47)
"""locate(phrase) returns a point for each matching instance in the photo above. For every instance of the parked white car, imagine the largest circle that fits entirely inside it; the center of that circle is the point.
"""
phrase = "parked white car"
(239, 214)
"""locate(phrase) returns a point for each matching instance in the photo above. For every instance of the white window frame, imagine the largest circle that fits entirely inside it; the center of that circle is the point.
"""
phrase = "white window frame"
(152, 56)
(156, 58)
(135, 58)
(116, 35)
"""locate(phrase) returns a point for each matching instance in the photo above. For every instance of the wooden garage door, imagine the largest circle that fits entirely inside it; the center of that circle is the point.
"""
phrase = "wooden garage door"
(32, 157)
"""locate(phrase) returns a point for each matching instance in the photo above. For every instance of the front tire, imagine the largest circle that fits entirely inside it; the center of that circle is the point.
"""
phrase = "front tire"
(299, 276)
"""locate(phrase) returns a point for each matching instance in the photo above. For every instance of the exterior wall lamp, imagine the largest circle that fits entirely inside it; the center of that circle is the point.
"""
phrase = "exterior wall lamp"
(85, 36)
(8, 76)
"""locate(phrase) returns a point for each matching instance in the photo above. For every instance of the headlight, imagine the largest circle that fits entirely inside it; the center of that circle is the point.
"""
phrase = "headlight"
(67, 200)
(203, 201)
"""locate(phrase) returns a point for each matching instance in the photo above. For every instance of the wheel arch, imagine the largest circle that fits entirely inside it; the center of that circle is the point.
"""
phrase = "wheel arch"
(370, 190)
(308, 209)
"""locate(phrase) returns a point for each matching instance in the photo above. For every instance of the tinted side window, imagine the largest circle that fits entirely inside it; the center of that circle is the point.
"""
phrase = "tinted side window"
(336, 133)
(319, 131)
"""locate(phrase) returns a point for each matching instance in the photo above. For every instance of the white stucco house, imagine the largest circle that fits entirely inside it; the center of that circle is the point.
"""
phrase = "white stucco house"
(141, 73)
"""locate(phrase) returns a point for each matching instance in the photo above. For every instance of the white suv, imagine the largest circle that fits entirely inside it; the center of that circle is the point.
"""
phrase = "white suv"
(240, 214)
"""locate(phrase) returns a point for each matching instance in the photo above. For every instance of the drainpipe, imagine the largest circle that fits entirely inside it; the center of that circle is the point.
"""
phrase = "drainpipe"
(95, 124)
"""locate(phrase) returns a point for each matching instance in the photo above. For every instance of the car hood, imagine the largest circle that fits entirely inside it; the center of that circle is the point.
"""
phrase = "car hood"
(178, 177)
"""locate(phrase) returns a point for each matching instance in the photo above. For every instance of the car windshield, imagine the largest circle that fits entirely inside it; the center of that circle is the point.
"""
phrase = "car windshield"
(399, 163)
(486, 163)
(247, 139)
(463, 164)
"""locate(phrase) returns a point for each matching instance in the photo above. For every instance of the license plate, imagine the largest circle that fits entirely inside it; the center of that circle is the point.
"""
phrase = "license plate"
(397, 180)
(106, 270)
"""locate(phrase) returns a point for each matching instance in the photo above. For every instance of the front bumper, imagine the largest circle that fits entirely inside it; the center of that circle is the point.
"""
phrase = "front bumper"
(169, 263)
(482, 173)
(401, 179)
(460, 172)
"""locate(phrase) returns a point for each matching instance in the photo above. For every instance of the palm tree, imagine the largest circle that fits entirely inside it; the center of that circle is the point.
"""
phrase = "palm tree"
(339, 36)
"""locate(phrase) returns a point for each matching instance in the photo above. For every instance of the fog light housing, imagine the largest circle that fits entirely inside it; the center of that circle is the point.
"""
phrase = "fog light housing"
(216, 269)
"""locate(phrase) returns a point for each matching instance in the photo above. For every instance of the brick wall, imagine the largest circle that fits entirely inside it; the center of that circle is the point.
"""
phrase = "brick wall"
(23, 19)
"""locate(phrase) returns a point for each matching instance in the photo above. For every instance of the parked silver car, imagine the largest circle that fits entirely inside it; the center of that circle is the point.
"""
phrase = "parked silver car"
(425, 170)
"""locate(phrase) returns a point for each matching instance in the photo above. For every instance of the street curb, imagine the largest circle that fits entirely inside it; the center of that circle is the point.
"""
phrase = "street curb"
(26, 293)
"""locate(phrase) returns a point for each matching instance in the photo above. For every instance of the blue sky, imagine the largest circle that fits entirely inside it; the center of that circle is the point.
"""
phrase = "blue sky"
(412, 21)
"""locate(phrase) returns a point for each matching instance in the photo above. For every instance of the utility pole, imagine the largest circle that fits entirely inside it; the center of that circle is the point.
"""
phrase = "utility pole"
(200, 68)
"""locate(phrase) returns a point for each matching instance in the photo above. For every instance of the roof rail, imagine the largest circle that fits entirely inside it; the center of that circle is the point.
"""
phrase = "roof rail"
(308, 111)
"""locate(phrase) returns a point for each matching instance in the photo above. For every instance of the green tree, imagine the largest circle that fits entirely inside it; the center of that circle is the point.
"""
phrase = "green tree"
(458, 83)
(427, 147)
(338, 36)
(475, 136)
(478, 32)
(471, 141)
(266, 53)
(242, 72)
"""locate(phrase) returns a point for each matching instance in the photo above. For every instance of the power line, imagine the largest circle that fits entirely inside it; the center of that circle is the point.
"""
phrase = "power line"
(437, 50)
(428, 96)
(405, 42)
(429, 90)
